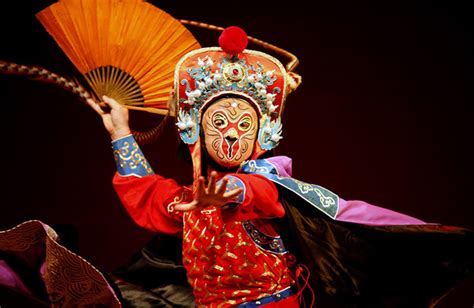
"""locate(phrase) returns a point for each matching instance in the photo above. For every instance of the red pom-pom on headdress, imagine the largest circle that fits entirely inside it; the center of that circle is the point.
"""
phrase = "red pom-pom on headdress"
(233, 40)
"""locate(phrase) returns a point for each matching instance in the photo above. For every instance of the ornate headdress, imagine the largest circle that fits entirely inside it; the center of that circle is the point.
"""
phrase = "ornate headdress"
(204, 75)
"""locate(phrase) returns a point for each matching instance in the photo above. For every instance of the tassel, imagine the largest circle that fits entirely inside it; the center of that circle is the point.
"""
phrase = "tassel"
(301, 268)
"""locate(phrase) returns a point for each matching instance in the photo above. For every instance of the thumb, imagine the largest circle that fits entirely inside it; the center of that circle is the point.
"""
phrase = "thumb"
(111, 102)
(186, 207)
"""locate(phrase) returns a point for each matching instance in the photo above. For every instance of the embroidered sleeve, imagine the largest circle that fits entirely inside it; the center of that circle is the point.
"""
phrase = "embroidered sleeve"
(129, 158)
(259, 199)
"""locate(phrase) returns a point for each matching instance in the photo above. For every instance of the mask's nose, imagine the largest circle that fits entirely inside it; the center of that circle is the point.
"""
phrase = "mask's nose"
(231, 137)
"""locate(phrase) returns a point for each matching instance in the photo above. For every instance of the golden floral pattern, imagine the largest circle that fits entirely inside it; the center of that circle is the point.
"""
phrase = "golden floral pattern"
(129, 158)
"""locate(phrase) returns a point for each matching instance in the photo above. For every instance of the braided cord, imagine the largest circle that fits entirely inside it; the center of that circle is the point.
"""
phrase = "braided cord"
(44, 75)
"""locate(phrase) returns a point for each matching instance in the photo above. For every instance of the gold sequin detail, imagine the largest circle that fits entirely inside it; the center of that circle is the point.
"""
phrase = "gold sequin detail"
(219, 283)
(267, 272)
(208, 293)
(213, 225)
(196, 227)
(231, 302)
(241, 292)
(241, 241)
(219, 268)
(231, 255)
(186, 260)
(195, 285)
(255, 282)
(193, 247)
(246, 263)
(193, 269)
(211, 245)
(228, 253)
(203, 234)
(186, 236)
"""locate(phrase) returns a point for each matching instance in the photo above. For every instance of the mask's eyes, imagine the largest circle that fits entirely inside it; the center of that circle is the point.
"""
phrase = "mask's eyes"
(245, 123)
(219, 121)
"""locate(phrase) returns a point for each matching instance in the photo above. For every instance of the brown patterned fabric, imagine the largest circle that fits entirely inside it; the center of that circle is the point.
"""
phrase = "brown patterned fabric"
(69, 279)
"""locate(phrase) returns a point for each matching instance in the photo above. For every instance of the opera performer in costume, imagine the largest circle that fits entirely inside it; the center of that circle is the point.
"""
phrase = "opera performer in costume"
(229, 102)
(246, 232)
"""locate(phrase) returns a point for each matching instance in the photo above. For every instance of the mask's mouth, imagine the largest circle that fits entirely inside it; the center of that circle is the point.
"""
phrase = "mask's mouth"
(230, 140)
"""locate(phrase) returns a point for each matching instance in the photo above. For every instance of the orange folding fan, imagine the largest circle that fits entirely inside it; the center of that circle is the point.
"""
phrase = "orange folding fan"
(125, 49)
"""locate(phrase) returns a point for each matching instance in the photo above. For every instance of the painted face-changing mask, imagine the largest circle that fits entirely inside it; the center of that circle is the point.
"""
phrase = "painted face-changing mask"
(230, 128)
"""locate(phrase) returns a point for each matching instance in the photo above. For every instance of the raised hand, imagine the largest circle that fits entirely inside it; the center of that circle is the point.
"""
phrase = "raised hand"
(115, 120)
(210, 195)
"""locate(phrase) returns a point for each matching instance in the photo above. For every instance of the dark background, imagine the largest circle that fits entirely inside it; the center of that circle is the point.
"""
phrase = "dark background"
(383, 115)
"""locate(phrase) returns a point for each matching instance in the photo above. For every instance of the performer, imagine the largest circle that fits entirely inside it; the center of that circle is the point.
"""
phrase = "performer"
(251, 234)
(231, 250)
(228, 103)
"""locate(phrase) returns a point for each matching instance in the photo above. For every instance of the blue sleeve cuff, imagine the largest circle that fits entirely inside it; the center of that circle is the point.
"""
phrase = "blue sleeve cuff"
(232, 184)
(129, 158)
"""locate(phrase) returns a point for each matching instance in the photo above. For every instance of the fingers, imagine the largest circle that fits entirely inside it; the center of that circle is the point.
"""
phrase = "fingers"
(95, 106)
(111, 102)
(211, 188)
(172, 102)
(201, 190)
(186, 207)
(233, 193)
(103, 108)
(222, 187)
(205, 197)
